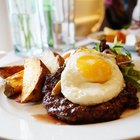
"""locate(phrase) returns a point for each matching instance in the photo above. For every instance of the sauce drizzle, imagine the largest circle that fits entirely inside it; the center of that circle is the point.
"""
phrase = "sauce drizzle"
(48, 119)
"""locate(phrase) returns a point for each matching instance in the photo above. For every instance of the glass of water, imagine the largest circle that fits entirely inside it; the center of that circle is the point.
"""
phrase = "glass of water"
(59, 19)
(26, 26)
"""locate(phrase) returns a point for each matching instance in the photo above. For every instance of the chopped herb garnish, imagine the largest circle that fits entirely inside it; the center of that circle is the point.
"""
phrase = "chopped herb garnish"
(123, 59)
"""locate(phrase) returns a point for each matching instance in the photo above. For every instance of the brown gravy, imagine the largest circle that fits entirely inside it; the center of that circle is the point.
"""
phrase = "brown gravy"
(48, 119)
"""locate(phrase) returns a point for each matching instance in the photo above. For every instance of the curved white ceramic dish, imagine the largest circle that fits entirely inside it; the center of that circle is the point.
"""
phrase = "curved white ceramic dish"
(17, 122)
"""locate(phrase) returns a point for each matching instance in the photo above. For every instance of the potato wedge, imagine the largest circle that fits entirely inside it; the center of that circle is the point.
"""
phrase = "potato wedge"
(67, 55)
(33, 80)
(57, 89)
(52, 60)
(9, 70)
(13, 84)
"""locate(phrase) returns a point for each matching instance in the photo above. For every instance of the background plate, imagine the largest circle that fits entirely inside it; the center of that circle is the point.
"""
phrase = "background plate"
(129, 45)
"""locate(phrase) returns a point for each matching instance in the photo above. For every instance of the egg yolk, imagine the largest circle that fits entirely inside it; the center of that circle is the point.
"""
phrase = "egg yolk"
(94, 69)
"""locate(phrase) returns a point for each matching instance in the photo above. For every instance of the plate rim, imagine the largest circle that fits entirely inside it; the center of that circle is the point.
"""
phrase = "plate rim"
(18, 122)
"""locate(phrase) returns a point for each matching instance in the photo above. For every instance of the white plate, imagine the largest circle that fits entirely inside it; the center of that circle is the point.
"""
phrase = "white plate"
(129, 44)
(17, 122)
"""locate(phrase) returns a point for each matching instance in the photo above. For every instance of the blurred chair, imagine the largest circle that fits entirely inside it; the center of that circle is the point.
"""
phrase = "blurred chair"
(89, 15)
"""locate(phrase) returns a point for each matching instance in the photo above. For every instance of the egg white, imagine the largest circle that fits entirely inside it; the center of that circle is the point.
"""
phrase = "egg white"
(80, 91)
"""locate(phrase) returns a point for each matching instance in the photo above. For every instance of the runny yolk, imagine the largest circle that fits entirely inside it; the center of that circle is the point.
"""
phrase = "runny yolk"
(94, 69)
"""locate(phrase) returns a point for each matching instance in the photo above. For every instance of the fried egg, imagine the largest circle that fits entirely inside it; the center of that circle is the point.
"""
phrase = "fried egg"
(91, 77)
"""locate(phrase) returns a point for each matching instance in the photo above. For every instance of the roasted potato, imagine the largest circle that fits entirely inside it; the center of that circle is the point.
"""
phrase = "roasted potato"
(9, 70)
(33, 80)
(57, 89)
(13, 84)
(52, 60)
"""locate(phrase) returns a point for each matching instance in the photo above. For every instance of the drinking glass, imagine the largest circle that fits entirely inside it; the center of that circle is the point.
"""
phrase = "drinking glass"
(26, 26)
(59, 19)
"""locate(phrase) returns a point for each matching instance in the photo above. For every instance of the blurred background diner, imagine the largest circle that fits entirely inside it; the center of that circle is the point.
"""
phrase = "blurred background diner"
(92, 15)
(121, 17)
